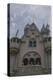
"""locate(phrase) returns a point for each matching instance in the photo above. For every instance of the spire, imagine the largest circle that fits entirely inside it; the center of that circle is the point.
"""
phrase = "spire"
(16, 33)
(47, 29)
(43, 28)
(47, 26)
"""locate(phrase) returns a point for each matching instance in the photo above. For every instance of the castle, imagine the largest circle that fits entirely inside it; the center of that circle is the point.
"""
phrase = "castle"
(31, 55)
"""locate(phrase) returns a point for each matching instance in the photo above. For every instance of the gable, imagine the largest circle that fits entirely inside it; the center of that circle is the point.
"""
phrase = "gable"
(31, 31)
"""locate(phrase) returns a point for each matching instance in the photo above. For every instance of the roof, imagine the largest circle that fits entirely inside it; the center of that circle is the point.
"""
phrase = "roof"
(31, 26)
(45, 30)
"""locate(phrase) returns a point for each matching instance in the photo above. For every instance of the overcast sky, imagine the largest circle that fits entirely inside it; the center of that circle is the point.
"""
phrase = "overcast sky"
(22, 14)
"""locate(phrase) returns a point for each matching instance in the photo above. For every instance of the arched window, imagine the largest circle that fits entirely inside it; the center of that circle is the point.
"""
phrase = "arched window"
(38, 61)
(31, 61)
(25, 61)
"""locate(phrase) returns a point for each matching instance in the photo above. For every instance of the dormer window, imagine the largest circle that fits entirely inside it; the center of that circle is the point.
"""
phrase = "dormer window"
(32, 43)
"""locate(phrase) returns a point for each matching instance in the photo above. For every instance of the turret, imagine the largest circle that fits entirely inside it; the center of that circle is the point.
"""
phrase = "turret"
(45, 30)
(26, 29)
(14, 44)
(46, 38)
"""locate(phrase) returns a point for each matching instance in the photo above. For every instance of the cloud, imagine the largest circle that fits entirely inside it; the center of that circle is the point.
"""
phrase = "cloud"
(21, 14)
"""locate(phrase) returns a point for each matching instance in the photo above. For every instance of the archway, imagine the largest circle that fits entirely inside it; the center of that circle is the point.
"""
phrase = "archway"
(31, 58)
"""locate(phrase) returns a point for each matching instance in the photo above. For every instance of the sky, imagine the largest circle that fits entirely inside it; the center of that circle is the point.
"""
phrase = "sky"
(23, 14)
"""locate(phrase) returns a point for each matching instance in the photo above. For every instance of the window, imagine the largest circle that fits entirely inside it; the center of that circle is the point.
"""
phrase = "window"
(45, 40)
(25, 61)
(49, 39)
(32, 33)
(17, 41)
(32, 43)
(31, 61)
(38, 61)
(12, 40)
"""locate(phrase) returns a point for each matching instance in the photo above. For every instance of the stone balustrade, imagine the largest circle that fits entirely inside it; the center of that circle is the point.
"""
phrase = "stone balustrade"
(30, 70)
